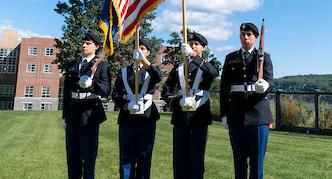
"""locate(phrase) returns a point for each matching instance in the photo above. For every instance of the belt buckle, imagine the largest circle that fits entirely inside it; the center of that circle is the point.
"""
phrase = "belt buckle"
(245, 87)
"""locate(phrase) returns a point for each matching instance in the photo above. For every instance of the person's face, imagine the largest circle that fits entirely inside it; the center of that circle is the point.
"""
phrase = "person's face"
(144, 50)
(89, 48)
(197, 48)
(248, 39)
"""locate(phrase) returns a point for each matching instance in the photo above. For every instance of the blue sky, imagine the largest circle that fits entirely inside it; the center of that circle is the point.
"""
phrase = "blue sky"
(298, 32)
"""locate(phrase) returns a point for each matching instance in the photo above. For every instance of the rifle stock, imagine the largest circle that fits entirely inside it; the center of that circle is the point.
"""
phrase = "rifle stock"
(99, 60)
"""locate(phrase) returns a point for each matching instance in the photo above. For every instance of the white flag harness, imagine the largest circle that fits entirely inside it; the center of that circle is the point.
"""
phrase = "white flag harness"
(194, 91)
(142, 96)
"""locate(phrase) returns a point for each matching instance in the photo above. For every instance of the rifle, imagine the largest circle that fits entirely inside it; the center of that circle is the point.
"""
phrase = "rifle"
(261, 57)
(100, 58)
(261, 52)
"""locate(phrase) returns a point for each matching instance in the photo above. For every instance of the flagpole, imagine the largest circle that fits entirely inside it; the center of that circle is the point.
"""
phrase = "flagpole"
(184, 32)
(136, 65)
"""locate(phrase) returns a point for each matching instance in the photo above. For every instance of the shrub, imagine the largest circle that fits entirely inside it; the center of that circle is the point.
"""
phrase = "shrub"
(326, 116)
(290, 112)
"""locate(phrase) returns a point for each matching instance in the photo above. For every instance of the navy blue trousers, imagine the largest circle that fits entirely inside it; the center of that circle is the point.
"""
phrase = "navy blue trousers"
(188, 152)
(82, 147)
(136, 146)
(249, 143)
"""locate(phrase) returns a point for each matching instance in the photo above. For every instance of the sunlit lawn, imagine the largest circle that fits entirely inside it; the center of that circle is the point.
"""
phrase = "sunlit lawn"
(32, 146)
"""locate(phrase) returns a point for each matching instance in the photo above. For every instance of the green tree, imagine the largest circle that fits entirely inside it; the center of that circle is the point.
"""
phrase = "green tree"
(82, 16)
(123, 52)
(173, 52)
(304, 83)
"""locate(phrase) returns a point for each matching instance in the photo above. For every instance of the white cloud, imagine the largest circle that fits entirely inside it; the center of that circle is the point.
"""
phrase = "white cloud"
(226, 49)
(210, 18)
(213, 26)
(29, 33)
(225, 6)
(6, 24)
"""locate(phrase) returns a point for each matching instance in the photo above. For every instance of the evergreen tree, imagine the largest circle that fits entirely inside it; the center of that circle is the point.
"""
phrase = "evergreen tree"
(82, 16)
(173, 52)
(123, 52)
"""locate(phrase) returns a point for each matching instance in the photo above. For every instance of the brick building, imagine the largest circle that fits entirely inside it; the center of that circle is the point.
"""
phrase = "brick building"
(28, 79)
(38, 80)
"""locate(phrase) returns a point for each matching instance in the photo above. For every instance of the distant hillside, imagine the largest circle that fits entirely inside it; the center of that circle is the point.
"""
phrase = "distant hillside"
(304, 83)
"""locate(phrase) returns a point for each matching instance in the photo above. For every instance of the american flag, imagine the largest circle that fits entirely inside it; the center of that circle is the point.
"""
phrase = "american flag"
(124, 16)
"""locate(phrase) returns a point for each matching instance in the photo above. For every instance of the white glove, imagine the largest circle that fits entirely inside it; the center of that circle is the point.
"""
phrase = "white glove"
(138, 55)
(186, 49)
(85, 81)
(261, 86)
(224, 121)
(133, 107)
(188, 103)
(64, 124)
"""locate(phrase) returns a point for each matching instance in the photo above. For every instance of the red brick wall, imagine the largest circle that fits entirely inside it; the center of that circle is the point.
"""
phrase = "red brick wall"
(39, 78)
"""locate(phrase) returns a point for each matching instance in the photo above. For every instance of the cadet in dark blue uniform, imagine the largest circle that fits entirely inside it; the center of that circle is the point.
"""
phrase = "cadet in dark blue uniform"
(191, 114)
(137, 120)
(244, 104)
(83, 110)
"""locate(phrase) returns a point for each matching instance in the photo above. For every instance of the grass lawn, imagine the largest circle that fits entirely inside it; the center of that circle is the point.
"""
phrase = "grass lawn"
(32, 145)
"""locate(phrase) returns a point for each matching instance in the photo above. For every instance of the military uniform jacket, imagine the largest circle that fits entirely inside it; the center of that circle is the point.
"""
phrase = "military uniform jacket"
(245, 108)
(170, 94)
(151, 114)
(82, 112)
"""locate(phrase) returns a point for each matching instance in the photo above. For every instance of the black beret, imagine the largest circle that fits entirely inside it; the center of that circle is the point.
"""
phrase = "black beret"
(198, 37)
(249, 27)
(145, 42)
(90, 36)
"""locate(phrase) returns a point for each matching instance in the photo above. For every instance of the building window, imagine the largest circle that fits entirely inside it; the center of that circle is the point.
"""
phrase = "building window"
(47, 68)
(3, 52)
(7, 90)
(28, 91)
(163, 58)
(60, 94)
(8, 59)
(45, 106)
(32, 50)
(27, 106)
(11, 65)
(46, 92)
(6, 105)
(31, 68)
(49, 52)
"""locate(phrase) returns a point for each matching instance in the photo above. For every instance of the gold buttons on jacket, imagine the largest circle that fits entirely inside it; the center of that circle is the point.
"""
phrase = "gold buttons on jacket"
(244, 68)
